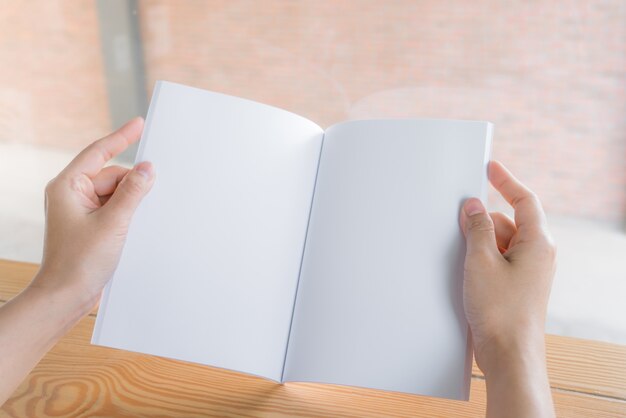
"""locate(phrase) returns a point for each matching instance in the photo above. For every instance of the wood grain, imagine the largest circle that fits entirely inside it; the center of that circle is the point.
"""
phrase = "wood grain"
(592, 367)
(78, 379)
(15, 276)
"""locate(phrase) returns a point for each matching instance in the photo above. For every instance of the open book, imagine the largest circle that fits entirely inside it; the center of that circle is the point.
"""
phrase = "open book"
(272, 247)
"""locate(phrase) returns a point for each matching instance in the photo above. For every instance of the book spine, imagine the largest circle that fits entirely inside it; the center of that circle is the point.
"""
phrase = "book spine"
(306, 235)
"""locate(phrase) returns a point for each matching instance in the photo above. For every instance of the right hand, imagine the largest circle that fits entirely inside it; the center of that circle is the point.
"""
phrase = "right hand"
(509, 268)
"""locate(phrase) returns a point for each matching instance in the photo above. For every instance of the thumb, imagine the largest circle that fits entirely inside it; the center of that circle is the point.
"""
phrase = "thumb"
(478, 228)
(131, 190)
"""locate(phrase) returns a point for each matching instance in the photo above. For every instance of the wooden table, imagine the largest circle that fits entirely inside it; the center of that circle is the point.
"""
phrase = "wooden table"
(77, 379)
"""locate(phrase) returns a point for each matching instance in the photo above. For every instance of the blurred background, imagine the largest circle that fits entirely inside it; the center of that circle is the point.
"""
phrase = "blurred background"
(551, 75)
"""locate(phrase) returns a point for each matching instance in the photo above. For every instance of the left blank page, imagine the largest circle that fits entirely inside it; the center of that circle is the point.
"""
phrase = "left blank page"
(210, 267)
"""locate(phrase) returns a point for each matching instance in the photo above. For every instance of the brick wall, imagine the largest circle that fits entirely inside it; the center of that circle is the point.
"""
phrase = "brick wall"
(550, 75)
(52, 86)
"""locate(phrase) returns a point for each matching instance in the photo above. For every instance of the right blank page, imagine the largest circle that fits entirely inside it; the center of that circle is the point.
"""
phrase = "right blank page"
(379, 302)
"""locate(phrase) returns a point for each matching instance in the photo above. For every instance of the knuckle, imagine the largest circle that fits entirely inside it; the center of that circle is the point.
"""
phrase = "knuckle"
(51, 186)
(48, 192)
(116, 218)
(54, 187)
(77, 183)
(133, 185)
(479, 262)
(546, 248)
(479, 257)
(480, 223)
(530, 197)
(550, 247)
(101, 150)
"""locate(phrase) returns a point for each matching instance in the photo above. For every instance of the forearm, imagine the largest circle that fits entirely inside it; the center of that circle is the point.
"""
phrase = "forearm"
(517, 381)
(88, 212)
(30, 324)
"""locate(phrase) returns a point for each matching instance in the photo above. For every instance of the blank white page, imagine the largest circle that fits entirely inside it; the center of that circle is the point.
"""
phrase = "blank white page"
(379, 302)
(210, 267)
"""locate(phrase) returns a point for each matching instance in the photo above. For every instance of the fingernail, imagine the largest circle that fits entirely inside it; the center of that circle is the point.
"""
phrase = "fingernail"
(473, 206)
(145, 168)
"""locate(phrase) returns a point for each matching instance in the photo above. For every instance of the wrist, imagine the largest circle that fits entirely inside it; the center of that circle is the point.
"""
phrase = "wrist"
(65, 293)
(512, 353)
(516, 377)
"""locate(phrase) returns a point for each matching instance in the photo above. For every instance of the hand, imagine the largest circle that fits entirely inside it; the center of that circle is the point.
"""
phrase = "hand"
(88, 211)
(509, 268)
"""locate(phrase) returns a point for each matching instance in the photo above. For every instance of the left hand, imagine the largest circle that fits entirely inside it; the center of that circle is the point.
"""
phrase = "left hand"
(88, 211)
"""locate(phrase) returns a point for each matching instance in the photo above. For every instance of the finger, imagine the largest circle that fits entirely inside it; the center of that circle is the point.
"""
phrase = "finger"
(529, 215)
(130, 192)
(478, 229)
(91, 160)
(505, 229)
(106, 181)
(104, 199)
